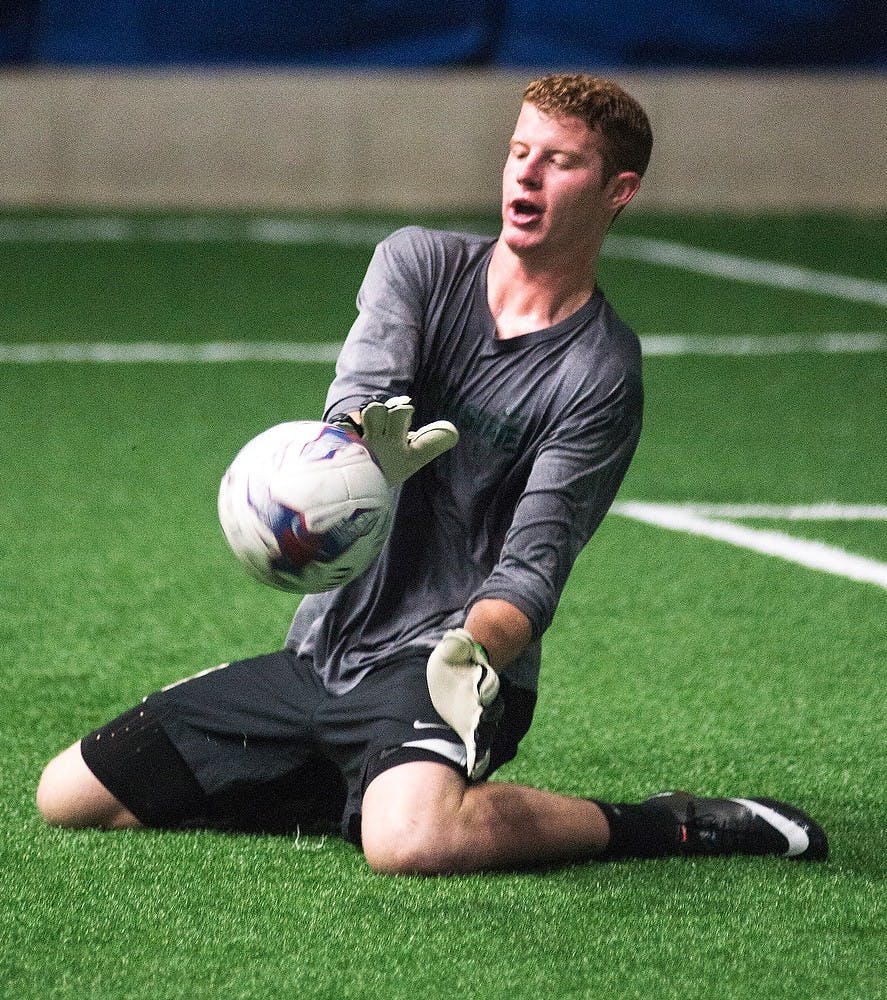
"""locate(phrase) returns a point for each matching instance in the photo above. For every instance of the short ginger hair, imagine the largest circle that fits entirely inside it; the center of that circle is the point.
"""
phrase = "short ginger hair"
(606, 109)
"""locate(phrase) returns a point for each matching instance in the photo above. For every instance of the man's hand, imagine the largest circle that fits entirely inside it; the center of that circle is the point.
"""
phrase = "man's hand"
(464, 689)
(399, 451)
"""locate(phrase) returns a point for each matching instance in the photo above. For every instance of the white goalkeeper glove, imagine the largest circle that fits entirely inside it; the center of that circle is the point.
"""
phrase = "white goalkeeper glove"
(399, 451)
(464, 689)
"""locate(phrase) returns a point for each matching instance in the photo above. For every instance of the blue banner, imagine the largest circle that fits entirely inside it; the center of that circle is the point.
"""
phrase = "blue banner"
(527, 34)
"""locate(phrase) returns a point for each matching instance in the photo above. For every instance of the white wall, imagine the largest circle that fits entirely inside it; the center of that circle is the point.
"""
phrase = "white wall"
(419, 141)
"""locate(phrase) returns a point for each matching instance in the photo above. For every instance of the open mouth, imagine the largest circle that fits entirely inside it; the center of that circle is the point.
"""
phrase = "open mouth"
(522, 211)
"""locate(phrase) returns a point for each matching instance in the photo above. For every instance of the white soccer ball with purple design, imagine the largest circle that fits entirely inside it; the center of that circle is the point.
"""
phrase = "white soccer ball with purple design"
(305, 507)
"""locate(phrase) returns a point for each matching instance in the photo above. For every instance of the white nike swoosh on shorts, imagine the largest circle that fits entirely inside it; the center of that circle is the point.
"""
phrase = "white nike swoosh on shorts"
(452, 751)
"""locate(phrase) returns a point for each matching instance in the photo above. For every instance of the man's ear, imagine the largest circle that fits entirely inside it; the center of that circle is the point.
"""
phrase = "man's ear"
(623, 187)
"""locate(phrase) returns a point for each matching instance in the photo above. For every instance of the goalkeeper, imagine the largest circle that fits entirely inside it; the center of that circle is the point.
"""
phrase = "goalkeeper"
(398, 695)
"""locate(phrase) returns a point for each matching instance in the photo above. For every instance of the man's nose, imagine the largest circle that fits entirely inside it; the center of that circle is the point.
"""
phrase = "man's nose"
(529, 173)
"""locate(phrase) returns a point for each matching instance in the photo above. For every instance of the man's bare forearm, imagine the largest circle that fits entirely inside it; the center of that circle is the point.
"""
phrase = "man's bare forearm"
(501, 628)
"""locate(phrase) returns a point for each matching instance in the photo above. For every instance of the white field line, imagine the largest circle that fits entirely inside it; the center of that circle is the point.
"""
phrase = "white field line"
(169, 353)
(788, 512)
(812, 554)
(757, 272)
(326, 352)
(663, 345)
(120, 229)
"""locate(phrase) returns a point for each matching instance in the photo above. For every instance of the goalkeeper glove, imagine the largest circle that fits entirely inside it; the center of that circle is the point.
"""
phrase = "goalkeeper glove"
(464, 690)
(399, 451)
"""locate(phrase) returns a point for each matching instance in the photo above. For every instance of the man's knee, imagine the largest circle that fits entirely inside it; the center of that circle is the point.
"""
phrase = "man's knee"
(404, 849)
(410, 820)
(70, 795)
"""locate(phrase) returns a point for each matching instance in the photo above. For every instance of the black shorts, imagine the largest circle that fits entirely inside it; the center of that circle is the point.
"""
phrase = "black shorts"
(260, 745)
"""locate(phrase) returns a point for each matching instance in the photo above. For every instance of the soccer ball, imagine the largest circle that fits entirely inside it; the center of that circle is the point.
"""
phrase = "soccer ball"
(305, 506)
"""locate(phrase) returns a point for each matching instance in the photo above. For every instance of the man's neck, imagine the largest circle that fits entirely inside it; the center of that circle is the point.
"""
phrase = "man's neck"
(526, 294)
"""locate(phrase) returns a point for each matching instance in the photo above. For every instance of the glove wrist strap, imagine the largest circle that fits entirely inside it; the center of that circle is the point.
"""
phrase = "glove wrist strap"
(345, 420)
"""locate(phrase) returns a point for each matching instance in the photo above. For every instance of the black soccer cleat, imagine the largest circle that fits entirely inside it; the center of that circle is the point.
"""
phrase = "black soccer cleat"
(743, 826)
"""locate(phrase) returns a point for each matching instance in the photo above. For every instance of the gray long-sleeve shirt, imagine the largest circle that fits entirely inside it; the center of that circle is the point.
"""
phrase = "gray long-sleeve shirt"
(548, 424)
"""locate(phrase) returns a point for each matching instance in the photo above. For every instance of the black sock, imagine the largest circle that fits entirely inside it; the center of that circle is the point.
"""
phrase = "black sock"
(639, 831)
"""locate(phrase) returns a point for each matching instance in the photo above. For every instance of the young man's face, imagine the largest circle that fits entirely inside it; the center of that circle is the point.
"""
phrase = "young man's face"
(553, 195)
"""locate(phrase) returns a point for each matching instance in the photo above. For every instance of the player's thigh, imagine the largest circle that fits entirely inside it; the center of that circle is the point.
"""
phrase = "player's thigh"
(412, 774)
(69, 794)
(403, 726)
(409, 813)
(205, 751)
(241, 722)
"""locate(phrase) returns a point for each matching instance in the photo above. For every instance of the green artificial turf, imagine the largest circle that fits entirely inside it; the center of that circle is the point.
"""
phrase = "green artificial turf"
(673, 660)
